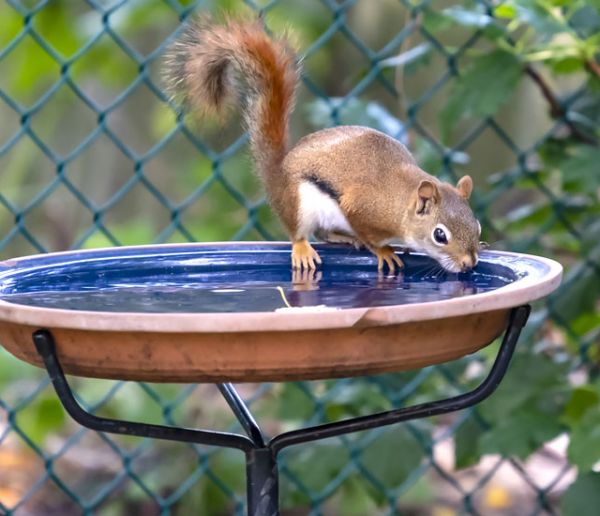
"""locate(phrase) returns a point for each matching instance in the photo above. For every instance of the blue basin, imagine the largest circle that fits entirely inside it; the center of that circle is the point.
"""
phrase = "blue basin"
(245, 294)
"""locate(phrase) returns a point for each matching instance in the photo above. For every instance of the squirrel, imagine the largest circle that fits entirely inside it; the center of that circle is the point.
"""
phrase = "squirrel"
(349, 184)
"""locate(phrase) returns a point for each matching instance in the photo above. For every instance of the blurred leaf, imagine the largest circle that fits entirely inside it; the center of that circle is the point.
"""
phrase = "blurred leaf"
(582, 167)
(164, 120)
(466, 443)
(42, 417)
(541, 16)
(582, 498)
(475, 95)
(133, 232)
(434, 21)
(584, 445)
(105, 63)
(582, 399)
(531, 377)
(524, 412)
(228, 466)
(567, 65)
(520, 434)
(586, 20)
(505, 10)
(529, 213)
(11, 23)
(55, 25)
(578, 295)
(591, 238)
(130, 402)
(12, 369)
(355, 498)
(316, 465)
(586, 323)
(393, 456)
(293, 403)
(32, 69)
(356, 399)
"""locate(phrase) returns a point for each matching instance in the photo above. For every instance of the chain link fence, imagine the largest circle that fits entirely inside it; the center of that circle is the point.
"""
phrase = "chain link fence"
(93, 154)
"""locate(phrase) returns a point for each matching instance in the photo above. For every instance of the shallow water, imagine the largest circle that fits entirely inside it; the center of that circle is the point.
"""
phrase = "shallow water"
(209, 286)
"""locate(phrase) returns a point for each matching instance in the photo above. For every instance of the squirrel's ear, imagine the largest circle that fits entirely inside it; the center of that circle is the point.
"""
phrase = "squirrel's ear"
(427, 195)
(465, 186)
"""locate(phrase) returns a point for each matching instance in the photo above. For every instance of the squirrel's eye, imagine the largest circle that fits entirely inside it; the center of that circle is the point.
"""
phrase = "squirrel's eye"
(439, 235)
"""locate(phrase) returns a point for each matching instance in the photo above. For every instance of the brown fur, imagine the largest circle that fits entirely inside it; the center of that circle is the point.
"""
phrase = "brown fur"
(213, 64)
(383, 190)
(380, 189)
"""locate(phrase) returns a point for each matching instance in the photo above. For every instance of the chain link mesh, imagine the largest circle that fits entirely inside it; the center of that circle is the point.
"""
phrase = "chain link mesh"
(92, 154)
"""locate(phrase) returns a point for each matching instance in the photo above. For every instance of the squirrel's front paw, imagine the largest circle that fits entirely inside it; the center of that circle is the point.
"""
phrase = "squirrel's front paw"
(304, 256)
(387, 255)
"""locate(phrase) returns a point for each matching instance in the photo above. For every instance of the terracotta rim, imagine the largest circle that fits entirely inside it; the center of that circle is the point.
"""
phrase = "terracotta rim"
(526, 289)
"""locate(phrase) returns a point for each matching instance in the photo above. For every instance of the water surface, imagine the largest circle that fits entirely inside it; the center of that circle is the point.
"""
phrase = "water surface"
(201, 283)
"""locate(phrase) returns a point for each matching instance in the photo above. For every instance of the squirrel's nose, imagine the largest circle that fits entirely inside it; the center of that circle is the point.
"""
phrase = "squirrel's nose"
(467, 262)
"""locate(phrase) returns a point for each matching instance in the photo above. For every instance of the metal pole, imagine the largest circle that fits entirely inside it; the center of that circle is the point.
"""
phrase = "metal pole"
(262, 480)
(241, 411)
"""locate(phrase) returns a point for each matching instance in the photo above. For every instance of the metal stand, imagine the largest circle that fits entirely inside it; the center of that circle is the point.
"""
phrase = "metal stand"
(261, 455)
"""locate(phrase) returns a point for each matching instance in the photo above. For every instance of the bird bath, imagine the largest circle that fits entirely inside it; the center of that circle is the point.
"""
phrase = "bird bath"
(234, 312)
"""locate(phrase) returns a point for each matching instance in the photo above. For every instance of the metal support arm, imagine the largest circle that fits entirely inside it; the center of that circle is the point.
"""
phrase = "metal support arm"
(261, 458)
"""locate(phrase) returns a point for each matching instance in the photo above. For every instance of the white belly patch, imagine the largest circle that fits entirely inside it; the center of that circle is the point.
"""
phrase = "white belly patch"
(318, 211)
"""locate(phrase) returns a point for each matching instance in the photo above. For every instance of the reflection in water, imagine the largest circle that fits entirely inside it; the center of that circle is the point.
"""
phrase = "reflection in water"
(306, 280)
(178, 287)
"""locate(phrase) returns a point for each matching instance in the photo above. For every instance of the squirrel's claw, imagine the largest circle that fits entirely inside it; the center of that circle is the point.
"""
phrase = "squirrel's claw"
(304, 256)
(387, 255)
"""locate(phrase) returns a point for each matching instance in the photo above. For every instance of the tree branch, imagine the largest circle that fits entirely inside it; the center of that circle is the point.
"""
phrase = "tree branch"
(556, 108)
(593, 67)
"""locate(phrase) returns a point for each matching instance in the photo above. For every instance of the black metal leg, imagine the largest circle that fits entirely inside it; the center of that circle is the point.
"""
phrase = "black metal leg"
(241, 411)
(262, 480)
(44, 344)
(518, 319)
(261, 458)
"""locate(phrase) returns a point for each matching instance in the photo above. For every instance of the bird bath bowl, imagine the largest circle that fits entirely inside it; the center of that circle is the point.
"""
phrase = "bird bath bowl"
(229, 312)
(235, 312)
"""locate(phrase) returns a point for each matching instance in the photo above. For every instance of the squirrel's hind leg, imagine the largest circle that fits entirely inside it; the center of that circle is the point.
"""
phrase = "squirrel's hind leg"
(338, 237)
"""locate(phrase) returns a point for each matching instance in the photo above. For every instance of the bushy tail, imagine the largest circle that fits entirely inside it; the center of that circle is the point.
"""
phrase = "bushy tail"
(212, 65)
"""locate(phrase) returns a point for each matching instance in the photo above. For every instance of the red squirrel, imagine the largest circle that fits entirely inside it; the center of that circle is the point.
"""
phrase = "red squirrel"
(343, 184)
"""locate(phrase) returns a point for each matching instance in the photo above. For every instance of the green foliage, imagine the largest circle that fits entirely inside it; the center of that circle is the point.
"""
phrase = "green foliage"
(316, 465)
(498, 56)
(582, 168)
(487, 84)
(523, 413)
(44, 417)
(583, 496)
(392, 457)
(582, 414)
(584, 449)
(466, 443)
(529, 42)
